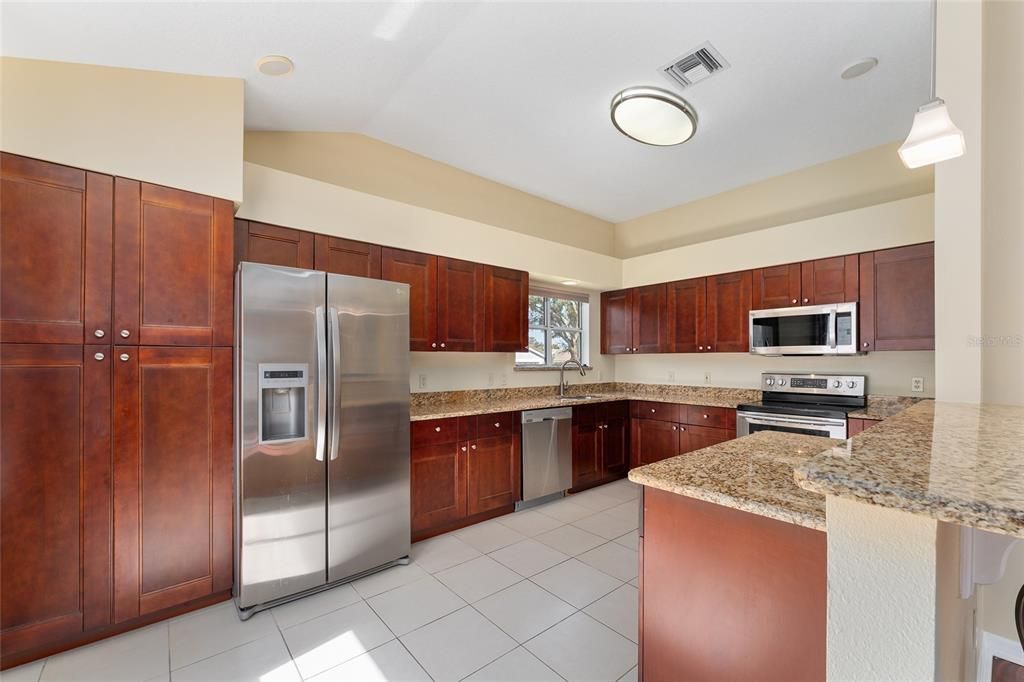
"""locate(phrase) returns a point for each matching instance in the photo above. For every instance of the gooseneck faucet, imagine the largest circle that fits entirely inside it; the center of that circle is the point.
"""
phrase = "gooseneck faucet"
(561, 375)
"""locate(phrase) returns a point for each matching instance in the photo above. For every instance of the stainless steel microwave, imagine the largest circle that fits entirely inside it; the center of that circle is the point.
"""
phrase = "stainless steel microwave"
(805, 330)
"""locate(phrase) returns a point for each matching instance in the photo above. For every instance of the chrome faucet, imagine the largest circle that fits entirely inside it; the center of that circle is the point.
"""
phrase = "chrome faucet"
(561, 375)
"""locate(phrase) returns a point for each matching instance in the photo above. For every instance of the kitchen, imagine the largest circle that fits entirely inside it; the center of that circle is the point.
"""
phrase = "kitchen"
(697, 312)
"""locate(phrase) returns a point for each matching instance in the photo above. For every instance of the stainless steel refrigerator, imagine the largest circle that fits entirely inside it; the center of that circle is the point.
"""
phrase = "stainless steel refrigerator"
(322, 442)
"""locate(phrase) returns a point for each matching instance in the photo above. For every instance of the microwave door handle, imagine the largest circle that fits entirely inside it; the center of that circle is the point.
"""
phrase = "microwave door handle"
(335, 387)
(832, 328)
(321, 383)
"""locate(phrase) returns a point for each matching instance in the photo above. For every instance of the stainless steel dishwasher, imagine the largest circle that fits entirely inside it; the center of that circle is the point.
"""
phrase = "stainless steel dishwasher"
(547, 454)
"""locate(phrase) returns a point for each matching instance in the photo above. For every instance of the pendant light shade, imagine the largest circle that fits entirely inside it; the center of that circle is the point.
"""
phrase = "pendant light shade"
(933, 137)
(653, 116)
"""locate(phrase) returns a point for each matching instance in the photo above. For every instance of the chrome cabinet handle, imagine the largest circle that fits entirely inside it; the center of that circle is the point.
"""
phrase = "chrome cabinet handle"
(705, 416)
(433, 345)
(652, 410)
(497, 425)
(682, 428)
(700, 347)
(675, 428)
(473, 446)
(806, 300)
(438, 429)
(463, 448)
(99, 333)
(99, 356)
(125, 333)
(442, 345)
(865, 344)
(794, 300)
(124, 357)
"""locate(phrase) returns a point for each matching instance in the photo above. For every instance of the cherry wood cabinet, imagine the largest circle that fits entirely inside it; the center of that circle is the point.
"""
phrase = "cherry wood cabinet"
(650, 319)
(347, 257)
(897, 291)
(173, 254)
(55, 506)
(55, 253)
(663, 430)
(460, 305)
(464, 470)
(829, 280)
(855, 426)
(697, 437)
(728, 308)
(600, 443)
(653, 440)
(419, 271)
(776, 287)
(261, 243)
(172, 477)
(687, 314)
(617, 322)
(506, 298)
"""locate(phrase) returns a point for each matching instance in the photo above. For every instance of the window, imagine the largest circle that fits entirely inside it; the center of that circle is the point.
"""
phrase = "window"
(558, 329)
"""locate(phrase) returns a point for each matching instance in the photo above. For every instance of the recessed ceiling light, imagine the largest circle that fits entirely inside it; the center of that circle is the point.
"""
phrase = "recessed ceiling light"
(275, 65)
(570, 282)
(859, 68)
(653, 116)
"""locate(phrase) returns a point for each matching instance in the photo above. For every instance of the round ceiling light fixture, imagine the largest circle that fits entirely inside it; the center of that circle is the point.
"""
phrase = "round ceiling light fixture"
(653, 116)
(275, 65)
(858, 68)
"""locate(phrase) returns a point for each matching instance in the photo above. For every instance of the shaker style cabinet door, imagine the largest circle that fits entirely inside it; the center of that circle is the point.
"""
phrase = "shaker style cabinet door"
(347, 257)
(172, 476)
(617, 321)
(419, 271)
(173, 260)
(654, 441)
(460, 305)
(776, 287)
(506, 297)
(55, 505)
(615, 447)
(897, 298)
(728, 313)
(55, 253)
(687, 313)
(650, 319)
(272, 245)
(829, 280)
(438, 476)
(492, 473)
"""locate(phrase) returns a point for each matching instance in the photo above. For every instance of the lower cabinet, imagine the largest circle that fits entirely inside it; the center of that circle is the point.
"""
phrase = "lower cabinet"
(663, 431)
(855, 426)
(600, 443)
(463, 470)
(653, 441)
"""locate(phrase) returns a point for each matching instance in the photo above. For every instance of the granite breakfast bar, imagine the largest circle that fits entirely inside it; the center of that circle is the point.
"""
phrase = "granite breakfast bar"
(733, 563)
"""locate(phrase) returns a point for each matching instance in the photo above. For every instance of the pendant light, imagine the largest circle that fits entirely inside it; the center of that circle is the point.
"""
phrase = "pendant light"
(933, 136)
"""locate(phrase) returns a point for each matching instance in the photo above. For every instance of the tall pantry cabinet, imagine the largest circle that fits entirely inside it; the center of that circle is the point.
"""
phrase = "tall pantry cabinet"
(116, 319)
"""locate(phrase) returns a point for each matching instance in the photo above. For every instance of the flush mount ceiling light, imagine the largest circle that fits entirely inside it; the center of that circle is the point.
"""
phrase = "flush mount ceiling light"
(275, 65)
(653, 116)
(570, 282)
(858, 68)
(933, 136)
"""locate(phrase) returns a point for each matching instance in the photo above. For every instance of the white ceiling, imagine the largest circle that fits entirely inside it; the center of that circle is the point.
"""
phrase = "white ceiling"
(519, 92)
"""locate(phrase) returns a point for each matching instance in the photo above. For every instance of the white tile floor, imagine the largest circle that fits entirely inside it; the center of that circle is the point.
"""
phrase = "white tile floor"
(544, 594)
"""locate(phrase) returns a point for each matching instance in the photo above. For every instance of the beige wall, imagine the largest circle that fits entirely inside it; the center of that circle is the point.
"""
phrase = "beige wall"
(374, 167)
(169, 129)
(871, 177)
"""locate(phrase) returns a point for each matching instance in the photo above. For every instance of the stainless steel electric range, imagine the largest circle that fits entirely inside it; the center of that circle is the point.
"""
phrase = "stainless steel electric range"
(811, 404)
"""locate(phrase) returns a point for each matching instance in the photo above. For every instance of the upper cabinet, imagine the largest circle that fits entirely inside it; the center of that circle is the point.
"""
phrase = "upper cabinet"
(776, 287)
(55, 253)
(173, 255)
(897, 290)
(728, 306)
(347, 257)
(506, 297)
(829, 280)
(419, 271)
(460, 305)
(687, 305)
(273, 245)
(617, 321)
(635, 320)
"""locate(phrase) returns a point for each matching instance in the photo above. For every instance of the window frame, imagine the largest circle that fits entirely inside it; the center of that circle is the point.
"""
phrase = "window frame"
(583, 300)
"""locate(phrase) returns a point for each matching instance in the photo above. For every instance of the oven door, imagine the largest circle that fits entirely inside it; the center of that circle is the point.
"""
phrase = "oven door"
(752, 422)
(805, 330)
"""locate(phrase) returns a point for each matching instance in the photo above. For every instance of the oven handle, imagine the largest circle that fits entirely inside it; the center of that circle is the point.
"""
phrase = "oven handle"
(832, 328)
(752, 418)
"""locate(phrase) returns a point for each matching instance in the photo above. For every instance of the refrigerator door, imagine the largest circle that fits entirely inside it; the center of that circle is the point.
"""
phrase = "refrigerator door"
(280, 539)
(368, 510)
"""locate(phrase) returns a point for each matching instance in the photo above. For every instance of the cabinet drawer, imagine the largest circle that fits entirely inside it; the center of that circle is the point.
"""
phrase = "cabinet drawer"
(434, 431)
(717, 417)
(497, 424)
(613, 411)
(667, 412)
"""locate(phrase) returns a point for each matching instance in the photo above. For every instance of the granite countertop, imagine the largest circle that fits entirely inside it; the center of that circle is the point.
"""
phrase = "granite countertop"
(753, 474)
(881, 407)
(954, 462)
(465, 403)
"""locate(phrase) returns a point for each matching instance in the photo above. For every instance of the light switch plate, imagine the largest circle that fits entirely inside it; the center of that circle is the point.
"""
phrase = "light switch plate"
(917, 384)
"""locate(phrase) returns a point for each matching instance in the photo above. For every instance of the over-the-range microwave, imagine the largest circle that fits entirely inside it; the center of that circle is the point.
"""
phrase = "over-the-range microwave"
(805, 330)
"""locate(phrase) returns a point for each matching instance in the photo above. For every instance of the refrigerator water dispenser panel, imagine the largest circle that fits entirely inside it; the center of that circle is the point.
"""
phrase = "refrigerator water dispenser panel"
(283, 395)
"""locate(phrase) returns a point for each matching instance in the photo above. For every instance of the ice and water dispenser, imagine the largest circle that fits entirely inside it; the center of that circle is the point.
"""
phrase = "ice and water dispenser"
(283, 395)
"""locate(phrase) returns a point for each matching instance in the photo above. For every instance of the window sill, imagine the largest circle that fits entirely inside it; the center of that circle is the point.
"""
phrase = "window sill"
(546, 368)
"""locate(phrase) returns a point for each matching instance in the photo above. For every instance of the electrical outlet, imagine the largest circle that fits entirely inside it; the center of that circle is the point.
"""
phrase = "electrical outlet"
(707, 377)
(917, 384)
(671, 376)
(423, 381)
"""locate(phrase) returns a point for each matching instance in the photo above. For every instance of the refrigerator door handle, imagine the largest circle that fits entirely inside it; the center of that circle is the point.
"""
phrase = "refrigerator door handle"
(335, 368)
(321, 387)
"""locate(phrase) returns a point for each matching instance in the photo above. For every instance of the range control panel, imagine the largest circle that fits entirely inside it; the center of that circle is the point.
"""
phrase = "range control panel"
(827, 384)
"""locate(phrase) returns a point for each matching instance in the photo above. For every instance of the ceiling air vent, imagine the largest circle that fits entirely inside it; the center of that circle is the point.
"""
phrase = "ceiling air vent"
(698, 65)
